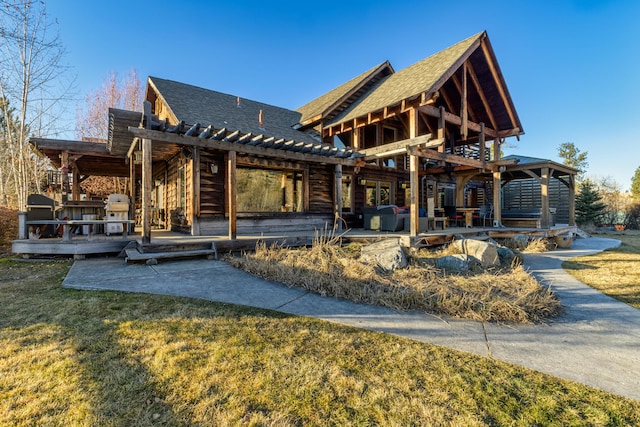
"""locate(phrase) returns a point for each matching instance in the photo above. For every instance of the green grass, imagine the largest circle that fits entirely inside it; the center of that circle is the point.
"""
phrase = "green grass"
(81, 358)
(615, 272)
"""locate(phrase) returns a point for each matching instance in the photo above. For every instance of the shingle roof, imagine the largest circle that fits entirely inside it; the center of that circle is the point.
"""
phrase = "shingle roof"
(322, 104)
(197, 105)
(408, 82)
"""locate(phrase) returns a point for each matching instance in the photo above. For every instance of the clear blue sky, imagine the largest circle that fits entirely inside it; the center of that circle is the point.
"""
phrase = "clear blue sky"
(572, 67)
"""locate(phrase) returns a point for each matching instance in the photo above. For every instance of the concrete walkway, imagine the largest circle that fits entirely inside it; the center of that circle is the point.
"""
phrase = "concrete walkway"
(596, 341)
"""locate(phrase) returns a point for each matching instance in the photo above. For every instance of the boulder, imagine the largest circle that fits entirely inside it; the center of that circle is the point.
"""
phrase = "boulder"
(386, 255)
(485, 252)
(521, 241)
(457, 262)
(506, 255)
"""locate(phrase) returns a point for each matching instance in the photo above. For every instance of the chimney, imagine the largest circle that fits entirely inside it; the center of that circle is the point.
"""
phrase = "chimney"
(238, 102)
(261, 120)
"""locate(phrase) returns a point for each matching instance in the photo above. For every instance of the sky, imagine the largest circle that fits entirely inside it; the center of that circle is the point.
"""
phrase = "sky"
(572, 67)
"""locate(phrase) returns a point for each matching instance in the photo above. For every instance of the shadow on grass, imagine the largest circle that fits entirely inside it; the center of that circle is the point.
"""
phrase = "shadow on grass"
(82, 327)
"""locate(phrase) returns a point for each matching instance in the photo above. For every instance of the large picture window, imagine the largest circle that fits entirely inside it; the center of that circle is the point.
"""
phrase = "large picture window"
(379, 193)
(264, 190)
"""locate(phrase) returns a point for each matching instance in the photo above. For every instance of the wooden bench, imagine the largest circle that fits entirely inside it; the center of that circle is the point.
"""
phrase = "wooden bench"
(151, 258)
(68, 224)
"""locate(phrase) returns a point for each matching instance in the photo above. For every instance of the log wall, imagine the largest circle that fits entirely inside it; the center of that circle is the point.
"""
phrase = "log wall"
(212, 196)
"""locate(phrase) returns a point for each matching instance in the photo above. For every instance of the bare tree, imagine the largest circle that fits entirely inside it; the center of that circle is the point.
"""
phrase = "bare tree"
(92, 122)
(35, 80)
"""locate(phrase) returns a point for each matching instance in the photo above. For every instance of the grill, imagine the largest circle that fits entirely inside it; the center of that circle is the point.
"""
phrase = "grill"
(117, 208)
(41, 207)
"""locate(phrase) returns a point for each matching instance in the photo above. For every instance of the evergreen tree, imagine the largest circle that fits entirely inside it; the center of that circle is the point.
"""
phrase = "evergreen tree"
(573, 157)
(635, 185)
(589, 206)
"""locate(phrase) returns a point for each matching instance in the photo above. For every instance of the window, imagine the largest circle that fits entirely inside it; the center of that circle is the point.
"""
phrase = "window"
(265, 190)
(379, 193)
(347, 194)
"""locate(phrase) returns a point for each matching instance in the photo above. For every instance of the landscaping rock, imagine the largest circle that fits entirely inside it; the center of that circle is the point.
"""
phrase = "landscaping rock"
(521, 241)
(458, 262)
(386, 255)
(485, 252)
(506, 255)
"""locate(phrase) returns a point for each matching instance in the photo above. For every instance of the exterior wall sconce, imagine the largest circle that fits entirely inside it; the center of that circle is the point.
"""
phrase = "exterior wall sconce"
(213, 166)
(137, 157)
(362, 181)
(403, 184)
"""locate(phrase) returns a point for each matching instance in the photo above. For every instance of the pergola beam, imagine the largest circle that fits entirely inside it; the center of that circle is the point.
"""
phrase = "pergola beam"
(394, 148)
(451, 158)
(225, 145)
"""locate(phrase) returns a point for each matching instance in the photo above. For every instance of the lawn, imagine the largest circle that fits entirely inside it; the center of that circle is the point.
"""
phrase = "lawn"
(75, 358)
(615, 272)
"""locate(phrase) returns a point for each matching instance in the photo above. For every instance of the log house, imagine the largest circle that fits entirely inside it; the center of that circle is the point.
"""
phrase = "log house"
(208, 163)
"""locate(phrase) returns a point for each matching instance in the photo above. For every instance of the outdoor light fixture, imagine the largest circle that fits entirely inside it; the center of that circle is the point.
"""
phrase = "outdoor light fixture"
(362, 181)
(213, 166)
(403, 184)
(137, 157)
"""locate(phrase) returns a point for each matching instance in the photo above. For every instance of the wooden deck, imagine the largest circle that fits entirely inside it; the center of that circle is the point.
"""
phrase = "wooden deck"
(79, 246)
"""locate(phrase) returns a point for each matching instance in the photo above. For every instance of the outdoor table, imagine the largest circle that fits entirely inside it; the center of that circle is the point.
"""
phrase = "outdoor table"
(468, 215)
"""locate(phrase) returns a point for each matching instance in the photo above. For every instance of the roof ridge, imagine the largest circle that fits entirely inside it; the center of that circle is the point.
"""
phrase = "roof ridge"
(404, 83)
(326, 102)
(220, 93)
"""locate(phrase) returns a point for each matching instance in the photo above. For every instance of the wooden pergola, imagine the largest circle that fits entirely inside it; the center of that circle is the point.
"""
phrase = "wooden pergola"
(156, 137)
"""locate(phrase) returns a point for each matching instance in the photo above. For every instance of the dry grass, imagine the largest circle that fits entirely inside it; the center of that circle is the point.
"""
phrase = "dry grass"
(535, 245)
(507, 294)
(615, 272)
(81, 358)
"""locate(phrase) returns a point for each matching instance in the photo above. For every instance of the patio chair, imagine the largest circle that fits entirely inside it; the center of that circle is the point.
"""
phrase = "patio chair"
(485, 213)
(432, 219)
(454, 217)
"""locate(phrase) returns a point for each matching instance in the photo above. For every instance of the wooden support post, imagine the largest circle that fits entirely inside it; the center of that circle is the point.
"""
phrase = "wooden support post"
(461, 182)
(146, 191)
(337, 216)
(132, 186)
(496, 149)
(414, 179)
(497, 198)
(356, 139)
(64, 170)
(572, 200)
(195, 191)
(75, 183)
(231, 194)
(483, 145)
(147, 176)
(544, 189)
(441, 128)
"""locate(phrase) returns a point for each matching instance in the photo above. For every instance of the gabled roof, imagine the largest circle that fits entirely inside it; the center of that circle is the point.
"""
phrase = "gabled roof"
(336, 100)
(431, 74)
(197, 105)
(535, 163)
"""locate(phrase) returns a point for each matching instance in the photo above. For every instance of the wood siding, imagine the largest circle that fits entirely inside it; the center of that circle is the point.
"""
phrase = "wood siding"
(321, 184)
(212, 196)
(526, 194)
